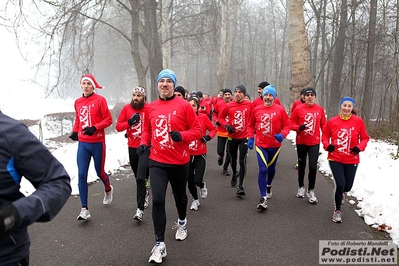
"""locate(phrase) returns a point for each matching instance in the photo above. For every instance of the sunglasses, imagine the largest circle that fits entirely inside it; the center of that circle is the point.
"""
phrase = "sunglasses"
(310, 94)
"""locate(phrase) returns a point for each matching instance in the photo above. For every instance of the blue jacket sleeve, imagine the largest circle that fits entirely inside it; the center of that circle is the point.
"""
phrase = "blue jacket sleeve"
(35, 162)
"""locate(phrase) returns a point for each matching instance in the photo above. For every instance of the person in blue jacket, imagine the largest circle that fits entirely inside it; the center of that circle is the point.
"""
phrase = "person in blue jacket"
(23, 155)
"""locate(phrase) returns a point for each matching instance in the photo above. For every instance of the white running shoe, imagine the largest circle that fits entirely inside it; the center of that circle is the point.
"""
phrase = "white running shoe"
(84, 214)
(311, 196)
(337, 216)
(158, 252)
(108, 196)
(262, 204)
(194, 205)
(147, 199)
(301, 192)
(139, 215)
(269, 193)
(204, 192)
(181, 232)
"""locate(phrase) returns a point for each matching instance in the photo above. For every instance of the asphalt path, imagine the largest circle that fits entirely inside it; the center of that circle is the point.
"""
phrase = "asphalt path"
(226, 229)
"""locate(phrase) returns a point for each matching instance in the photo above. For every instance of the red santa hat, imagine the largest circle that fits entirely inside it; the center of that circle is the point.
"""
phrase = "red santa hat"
(92, 80)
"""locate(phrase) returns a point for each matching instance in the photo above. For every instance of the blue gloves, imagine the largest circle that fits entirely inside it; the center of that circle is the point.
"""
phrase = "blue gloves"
(279, 137)
(250, 143)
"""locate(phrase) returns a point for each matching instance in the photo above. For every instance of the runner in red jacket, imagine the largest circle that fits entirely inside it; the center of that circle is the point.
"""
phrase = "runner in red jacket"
(131, 119)
(222, 132)
(198, 152)
(272, 125)
(170, 124)
(344, 136)
(235, 118)
(92, 117)
(308, 120)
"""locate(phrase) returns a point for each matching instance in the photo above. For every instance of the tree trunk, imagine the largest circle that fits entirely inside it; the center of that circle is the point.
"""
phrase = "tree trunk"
(368, 91)
(301, 76)
(335, 85)
(227, 29)
(153, 44)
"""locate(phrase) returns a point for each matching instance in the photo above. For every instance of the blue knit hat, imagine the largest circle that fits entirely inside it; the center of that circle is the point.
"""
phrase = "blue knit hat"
(347, 99)
(269, 89)
(167, 73)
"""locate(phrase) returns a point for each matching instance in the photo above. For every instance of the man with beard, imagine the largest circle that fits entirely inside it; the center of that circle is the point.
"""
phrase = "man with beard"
(235, 118)
(131, 119)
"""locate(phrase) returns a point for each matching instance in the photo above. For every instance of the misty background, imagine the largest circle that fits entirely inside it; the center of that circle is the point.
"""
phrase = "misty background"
(349, 47)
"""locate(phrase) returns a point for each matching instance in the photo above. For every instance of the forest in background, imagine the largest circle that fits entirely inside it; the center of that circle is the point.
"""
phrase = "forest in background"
(352, 47)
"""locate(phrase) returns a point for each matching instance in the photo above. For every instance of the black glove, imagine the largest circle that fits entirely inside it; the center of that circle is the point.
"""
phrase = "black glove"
(125, 135)
(74, 136)
(331, 148)
(134, 119)
(206, 138)
(302, 127)
(9, 219)
(217, 123)
(142, 149)
(176, 136)
(355, 150)
(230, 129)
(89, 130)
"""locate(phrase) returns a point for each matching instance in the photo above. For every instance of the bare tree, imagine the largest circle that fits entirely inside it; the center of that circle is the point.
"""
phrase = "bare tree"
(301, 76)
(227, 29)
(368, 91)
(335, 85)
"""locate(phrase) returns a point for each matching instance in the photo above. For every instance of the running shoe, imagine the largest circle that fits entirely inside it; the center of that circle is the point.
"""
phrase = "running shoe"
(147, 198)
(139, 215)
(158, 252)
(226, 173)
(301, 192)
(262, 205)
(311, 196)
(233, 180)
(84, 214)
(181, 232)
(269, 192)
(240, 191)
(194, 205)
(108, 196)
(204, 192)
(336, 217)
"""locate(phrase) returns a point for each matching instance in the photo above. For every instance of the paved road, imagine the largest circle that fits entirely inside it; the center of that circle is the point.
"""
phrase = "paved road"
(226, 230)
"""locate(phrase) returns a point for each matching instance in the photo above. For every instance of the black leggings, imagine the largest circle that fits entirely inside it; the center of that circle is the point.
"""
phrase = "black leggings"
(235, 146)
(344, 175)
(161, 175)
(139, 165)
(303, 151)
(196, 174)
(221, 147)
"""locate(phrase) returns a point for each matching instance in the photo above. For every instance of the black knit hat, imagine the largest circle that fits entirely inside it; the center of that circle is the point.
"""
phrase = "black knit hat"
(241, 88)
(303, 91)
(310, 90)
(181, 90)
(263, 84)
(227, 90)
